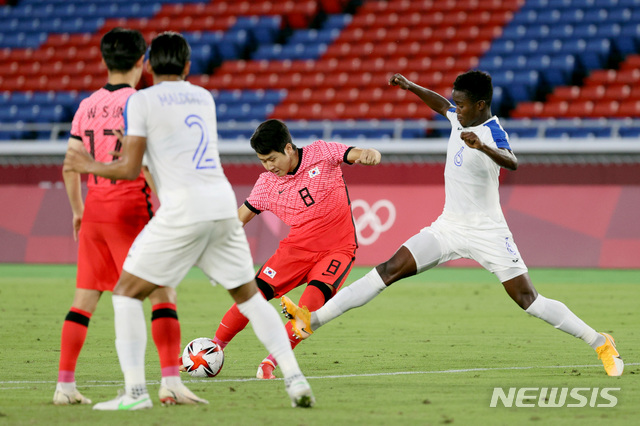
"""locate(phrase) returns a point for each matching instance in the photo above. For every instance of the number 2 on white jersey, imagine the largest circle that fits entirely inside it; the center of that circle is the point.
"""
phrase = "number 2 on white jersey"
(200, 156)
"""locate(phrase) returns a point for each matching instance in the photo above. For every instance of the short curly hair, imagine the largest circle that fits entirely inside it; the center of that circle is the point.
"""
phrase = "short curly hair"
(476, 84)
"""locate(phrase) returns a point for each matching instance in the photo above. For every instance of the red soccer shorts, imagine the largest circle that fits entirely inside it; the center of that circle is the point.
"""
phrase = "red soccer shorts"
(290, 267)
(101, 252)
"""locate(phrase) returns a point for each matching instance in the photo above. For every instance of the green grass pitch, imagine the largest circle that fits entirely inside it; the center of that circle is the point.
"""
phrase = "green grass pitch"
(430, 350)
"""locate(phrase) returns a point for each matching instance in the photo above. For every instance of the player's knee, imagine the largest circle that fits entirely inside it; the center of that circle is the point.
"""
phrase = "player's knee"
(265, 289)
(401, 265)
(326, 289)
(524, 300)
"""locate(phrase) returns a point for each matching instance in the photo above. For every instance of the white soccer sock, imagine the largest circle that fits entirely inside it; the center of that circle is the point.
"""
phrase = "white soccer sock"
(558, 315)
(131, 342)
(270, 330)
(356, 294)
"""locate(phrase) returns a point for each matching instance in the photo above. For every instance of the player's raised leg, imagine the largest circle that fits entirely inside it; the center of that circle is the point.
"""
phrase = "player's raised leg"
(561, 317)
(270, 331)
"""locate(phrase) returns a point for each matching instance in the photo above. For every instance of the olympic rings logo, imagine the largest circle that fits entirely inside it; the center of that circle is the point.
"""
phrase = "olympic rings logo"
(369, 219)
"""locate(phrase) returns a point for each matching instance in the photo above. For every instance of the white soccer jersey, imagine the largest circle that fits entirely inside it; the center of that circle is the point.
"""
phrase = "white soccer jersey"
(471, 177)
(179, 121)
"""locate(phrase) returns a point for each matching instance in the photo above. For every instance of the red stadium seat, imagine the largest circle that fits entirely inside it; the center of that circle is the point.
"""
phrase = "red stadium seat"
(631, 62)
(564, 93)
(527, 110)
(12, 83)
(556, 109)
(371, 94)
(362, 20)
(579, 108)
(419, 64)
(333, 6)
(421, 34)
(629, 108)
(634, 93)
(600, 77)
(628, 76)
(478, 47)
(616, 92)
(591, 93)
(607, 109)
(354, 110)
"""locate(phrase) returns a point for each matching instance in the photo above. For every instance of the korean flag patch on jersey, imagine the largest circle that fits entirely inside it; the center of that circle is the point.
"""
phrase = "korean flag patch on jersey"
(314, 172)
(269, 272)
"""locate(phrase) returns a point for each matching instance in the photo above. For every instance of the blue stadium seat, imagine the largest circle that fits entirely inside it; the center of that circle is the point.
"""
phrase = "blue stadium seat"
(413, 133)
(620, 15)
(201, 57)
(578, 132)
(242, 133)
(561, 31)
(226, 96)
(585, 31)
(338, 21)
(629, 132)
(572, 16)
(514, 62)
(312, 134)
(490, 63)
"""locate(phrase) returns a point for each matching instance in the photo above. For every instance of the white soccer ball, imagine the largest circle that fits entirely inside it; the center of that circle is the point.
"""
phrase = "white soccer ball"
(202, 357)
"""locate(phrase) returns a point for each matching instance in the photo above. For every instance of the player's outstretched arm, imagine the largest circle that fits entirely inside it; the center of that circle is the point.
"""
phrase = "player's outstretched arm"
(365, 156)
(127, 167)
(435, 101)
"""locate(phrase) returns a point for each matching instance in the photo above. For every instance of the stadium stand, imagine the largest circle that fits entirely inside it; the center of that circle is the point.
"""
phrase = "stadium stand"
(316, 60)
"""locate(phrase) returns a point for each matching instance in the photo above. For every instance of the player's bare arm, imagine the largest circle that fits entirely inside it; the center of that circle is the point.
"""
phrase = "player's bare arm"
(367, 157)
(434, 100)
(245, 215)
(127, 167)
(501, 156)
(145, 170)
(74, 191)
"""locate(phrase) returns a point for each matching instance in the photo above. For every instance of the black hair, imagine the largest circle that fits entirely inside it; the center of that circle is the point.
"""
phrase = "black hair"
(169, 54)
(121, 48)
(271, 135)
(476, 84)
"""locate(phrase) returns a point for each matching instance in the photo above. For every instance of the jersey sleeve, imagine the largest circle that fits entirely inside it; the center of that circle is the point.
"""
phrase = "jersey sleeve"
(498, 134)
(335, 152)
(76, 124)
(258, 199)
(135, 112)
(451, 115)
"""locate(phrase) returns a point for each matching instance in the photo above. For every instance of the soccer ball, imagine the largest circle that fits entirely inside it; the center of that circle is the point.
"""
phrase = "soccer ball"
(202, 357)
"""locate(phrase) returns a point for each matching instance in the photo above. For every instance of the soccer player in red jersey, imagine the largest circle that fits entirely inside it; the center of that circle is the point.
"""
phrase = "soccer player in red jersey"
(114, 212)
(304, 187)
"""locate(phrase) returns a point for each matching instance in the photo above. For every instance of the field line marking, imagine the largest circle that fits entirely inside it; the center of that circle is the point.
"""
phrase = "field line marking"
(111, 383)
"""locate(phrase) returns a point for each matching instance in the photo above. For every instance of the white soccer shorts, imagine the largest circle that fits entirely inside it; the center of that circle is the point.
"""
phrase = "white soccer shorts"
(493, 248)
(163, 254)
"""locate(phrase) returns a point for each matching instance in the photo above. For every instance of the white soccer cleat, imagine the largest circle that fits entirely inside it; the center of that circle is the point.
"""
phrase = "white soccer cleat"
(62, 397)
(299, 391)
(178, 395)
(124, 402)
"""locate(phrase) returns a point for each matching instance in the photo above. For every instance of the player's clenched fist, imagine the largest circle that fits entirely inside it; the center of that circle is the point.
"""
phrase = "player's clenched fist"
(369, 157)
(77, 160)
(400, 81)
